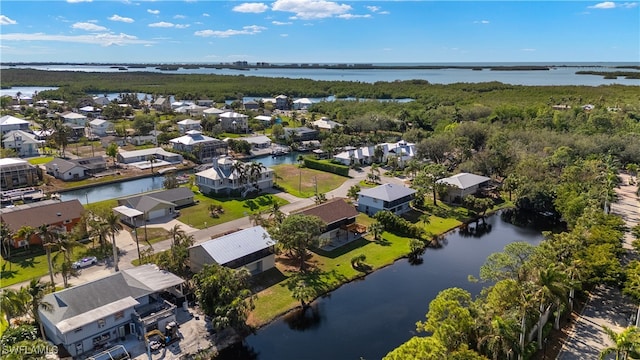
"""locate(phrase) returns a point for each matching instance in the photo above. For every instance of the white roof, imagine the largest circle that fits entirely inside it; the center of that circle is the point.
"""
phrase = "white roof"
(238, 244)
(145, 152)
(326, 124)
(234, 115)
(260, 139)
(387, 192)
(89, 108)
(188, 122)
(73, 115)
(12, 161)
(213, 111)
(11, 120)
(263, 118)
(97, 122)
(127, 211)
(463, 180)
(303, 101)
(192, 137)
(98, 313)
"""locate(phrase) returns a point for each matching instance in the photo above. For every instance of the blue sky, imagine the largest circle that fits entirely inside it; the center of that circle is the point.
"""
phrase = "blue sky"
(318, 31)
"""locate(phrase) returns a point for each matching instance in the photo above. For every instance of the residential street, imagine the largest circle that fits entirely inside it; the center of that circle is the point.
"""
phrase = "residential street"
(127, 245)
(606, 305)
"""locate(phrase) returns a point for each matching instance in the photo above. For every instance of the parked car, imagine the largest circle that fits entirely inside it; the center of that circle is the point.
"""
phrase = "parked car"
(83, 263)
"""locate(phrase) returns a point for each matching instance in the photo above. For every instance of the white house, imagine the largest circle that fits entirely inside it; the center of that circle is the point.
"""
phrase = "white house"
(250, 248)
(160, 154)
(120, 307)
(302, 104)
(24, 143)
(258, 141)
(158, 204)
(74, 118)
(461, 185)
(189, 124)
(101, 127)
(212, 112)
(326, 124)
(204, 148)
(391, 197)
(224, 177)
(9, 123)
(233, 121)
(401, 150)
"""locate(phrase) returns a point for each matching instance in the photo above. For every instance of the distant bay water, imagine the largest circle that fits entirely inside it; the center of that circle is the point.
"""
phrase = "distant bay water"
(559, 74)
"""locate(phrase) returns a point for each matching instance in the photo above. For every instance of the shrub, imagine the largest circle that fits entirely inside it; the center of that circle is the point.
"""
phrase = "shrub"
(326, 166)
(398, 225)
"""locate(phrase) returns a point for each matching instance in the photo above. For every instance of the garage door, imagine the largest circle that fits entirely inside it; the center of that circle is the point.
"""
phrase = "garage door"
(156, 213)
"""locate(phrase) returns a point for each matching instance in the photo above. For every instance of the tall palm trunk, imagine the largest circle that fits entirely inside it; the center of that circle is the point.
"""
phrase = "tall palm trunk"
(115, 253)
(48, 251)
(523, 329)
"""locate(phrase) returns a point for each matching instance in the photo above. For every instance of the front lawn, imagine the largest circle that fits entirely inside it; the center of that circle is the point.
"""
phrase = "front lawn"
(40, 160)
(199, 216)
(302, 182)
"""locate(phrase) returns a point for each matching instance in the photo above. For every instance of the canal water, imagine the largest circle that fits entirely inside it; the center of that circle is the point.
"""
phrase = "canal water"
(132, 187)
(370, 317)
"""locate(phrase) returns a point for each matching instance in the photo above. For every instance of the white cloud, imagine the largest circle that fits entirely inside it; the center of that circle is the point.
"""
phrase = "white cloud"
(311, 9)
(78, 1)
(251, 8)
(629, 5)
(528, 49)
(182, 26)
(162, 24)
(353, 16)
(179, 17)
(5, 20)
(384, 12)
(104, 39)
(88, 26)
(604, 5)
(281, 23)
(373, 8)
(246, 30)
(284, 35)
(119, 18)
(205, 15)
(154, 12)
(481, 22)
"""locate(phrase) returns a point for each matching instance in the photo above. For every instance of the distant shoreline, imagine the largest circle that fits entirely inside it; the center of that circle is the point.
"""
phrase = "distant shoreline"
(342, 66)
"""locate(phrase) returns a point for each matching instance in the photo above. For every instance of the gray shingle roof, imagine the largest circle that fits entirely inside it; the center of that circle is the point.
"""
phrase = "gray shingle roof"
(464, 180)
(387, 192)
(238, 244)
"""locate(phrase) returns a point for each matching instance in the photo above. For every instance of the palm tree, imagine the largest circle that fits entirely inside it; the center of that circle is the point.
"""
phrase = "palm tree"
(624, 342)
(502, 338)
(175, 232)
(114, 227)
(47, 236)
(255, 170)
(275, 213)
(13, 303)
(6, 236)
(37, 291)
(152, 159)
(66, 244)
(552, 287)
(376, 230)
(239, 169)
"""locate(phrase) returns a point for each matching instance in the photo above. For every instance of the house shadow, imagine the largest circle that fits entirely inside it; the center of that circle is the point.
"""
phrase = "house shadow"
(266, 279)
(332, 254)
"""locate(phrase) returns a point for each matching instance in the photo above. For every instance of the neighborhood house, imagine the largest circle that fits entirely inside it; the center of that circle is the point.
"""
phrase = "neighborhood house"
(121, 306)
(391, 197)
(250, 248)
(339, 217)
(461, 185)
(154, 205)
(223, 177)
(75, 169)
(16, 173)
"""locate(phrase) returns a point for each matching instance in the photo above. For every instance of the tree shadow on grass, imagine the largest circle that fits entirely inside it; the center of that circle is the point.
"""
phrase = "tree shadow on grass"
(332, 254)
(7, 274)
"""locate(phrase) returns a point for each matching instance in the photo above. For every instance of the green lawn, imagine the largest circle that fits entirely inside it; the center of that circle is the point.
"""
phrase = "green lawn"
(40, 160)
(198, 215)
(302, 182)
(24, 267)
(154, 235)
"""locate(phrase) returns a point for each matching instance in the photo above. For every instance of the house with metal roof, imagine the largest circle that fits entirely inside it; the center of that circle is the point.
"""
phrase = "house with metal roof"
(118, 308)
(326, 124)
(339, 217)
(9, 123)
(204, 148)
(160, 154)
(223, 177)
(391, 197)
(189, 124)
(100, 127)
(461, 185)
(24, 143)
(74, 118)
(156, 204)
(250, 248)
(233, 121)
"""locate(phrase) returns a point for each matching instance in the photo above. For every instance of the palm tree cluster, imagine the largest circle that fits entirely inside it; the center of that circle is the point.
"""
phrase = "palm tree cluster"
(25, 302)
(248, 173)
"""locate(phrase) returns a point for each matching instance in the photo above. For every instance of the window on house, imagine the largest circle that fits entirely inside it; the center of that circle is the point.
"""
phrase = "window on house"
(101, 323)
(78, 329)
(119, 315)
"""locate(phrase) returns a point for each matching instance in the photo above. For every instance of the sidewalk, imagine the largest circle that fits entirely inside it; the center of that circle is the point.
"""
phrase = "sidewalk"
(606, 305)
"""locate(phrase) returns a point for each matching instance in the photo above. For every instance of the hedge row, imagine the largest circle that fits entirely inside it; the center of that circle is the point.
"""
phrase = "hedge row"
(325, 166)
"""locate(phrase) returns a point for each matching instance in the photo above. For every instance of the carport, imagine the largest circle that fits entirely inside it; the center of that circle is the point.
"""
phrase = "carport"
(128, 215)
